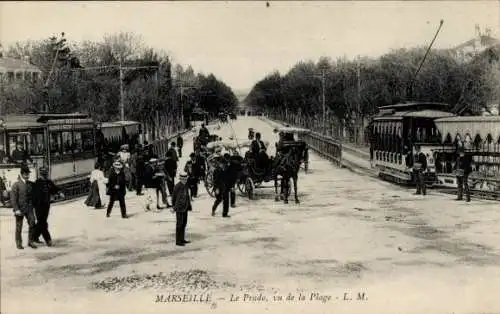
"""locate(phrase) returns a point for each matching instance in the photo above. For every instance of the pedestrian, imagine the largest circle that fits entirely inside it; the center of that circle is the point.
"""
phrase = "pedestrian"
(43, 189)
(181, 201)
(201, 161)
(233, 171)
(22, 203)
(193, 170)
(221, 188)
(180, 143)
(419, 167)
(155, 184)
(139, 166)
(97, 193)
(124, 157)
(117, 188)
(171, 167)
(133, 167)
(463, 170)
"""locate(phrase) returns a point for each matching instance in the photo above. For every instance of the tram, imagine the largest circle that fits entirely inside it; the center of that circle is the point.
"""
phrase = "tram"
(395, 132)
(480, 138)
(115, 134)
(64, 143)
(199, 117)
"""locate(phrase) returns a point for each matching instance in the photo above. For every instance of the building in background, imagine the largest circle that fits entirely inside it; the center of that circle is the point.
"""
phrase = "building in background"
(15, 70)
(483, 45)
(475, 46)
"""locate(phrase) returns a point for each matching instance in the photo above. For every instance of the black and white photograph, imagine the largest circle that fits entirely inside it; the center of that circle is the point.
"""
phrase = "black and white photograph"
(250, 157)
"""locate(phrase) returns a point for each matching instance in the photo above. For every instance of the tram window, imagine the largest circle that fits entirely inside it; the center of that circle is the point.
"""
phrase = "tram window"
(37, 146)
(87, 141)
(3, 149)
(77, 142)
(67, 143)
(17, 144)
(55, 143)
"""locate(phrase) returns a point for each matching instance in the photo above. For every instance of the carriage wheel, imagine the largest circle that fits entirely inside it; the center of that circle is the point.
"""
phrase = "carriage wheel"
(250, 188)
(241, 186)
(209, 184)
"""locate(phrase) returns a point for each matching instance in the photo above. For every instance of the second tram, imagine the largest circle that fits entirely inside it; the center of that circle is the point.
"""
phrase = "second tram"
(396, 131)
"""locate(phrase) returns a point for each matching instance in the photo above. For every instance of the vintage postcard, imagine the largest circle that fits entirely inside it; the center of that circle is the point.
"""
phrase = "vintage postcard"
(249, 157)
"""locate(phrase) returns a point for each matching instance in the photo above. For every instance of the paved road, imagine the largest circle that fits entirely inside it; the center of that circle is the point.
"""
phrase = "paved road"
(350, 234)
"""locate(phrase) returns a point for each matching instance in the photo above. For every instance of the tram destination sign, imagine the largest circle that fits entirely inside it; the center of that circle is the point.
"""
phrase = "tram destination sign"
(70, 124)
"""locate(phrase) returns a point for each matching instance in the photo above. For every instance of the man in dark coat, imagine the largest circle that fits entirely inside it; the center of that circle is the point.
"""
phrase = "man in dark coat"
(258, 149)
(193, 170)
(139, 163)
(117, 186)
(180, 143)
(204, 133)
(233, 171)
(419, 167)
(463, 170)
(171, 161)
(222, 187)
(43, 189)
(22, 203)
(181, 206)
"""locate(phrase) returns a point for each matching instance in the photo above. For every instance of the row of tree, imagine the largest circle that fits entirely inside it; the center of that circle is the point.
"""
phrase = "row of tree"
(354, 89)
(156, 92)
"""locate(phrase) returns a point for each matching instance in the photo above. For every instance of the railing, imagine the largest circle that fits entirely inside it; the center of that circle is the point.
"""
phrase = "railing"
(324, 145)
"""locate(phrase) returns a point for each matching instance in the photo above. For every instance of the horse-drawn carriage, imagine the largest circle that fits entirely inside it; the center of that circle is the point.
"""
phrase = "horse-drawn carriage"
(288, 134)
(256, 170)
(215, 152)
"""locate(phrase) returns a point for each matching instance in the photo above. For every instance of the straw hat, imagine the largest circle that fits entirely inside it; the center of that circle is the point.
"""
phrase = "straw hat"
(117, 165)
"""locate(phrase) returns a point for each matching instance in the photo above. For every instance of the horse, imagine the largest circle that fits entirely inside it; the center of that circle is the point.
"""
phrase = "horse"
(288, 166)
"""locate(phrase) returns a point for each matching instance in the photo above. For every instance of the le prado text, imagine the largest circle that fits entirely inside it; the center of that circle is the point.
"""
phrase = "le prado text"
(260, 297)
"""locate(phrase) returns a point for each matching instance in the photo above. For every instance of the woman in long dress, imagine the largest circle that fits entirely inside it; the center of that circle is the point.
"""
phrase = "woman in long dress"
(97, 193)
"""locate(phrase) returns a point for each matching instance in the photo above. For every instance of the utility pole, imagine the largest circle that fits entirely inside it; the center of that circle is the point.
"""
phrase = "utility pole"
(122, 94)
(323, 83)
(181, 105)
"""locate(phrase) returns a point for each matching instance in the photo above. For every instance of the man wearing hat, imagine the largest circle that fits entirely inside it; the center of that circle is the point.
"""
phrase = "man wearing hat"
(22, 203)
(463, 170)
(43, 189)
(171, 167)
(419, 167)
(181, 201)
(222, 186)
(117, 188)
(193, 170)
(180, 143)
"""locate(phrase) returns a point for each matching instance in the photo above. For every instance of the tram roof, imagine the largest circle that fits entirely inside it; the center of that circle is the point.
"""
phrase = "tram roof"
(413, 114)
(470, 125)
(416, 105)
(118, 123)
(15, 122)
(114, 129)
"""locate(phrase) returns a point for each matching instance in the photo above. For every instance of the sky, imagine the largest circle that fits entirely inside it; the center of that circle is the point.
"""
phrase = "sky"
(241, 41)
